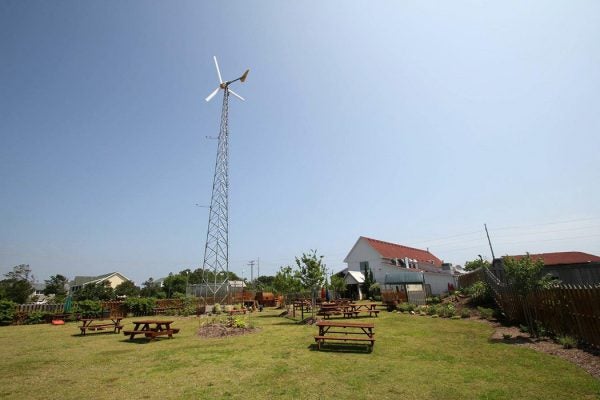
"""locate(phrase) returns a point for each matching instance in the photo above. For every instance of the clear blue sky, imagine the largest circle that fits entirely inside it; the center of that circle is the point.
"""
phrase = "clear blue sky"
(411, 122)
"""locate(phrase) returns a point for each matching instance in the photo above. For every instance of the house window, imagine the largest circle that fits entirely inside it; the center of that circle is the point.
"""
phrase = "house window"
(364, 267)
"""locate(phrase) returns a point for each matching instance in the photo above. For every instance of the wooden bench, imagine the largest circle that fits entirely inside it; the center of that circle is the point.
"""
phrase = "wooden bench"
(322, 339)
(345, 332)
(151, 329)
(88, 324)
(376, 312)
(351, 314)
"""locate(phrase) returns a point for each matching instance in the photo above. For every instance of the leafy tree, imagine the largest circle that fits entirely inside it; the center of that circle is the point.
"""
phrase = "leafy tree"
(151, 288)
(477, 263)
(286, 281)
(95, 291)
(264, 282)
(18, 285)
(311, 270)
(338, 284)
(523, 274)
(127, 289)
(56, 285)
(174, 284)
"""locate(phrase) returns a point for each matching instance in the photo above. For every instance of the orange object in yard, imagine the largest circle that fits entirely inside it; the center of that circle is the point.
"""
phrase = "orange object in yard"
(58, 322)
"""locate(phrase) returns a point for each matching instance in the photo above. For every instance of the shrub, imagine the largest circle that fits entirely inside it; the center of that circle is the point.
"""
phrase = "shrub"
(567, 342)
(465, 313)
(506, 336)
(217, 309)
(36, 317)
(433, 300)
(432, 310)
(88, 308)
(480, 293)
(405, 307)
(486, 313)
(140, 306)
(7, 312)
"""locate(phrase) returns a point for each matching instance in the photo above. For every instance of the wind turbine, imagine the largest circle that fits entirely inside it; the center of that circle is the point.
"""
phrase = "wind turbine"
(225, 85)
(216, 251)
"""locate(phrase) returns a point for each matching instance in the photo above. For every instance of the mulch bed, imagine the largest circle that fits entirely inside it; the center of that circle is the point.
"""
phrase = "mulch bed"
(582, 358)
(220, 330)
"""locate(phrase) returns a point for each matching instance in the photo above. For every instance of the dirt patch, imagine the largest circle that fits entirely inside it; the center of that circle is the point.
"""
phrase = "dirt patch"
(513, 335)
(220, 330)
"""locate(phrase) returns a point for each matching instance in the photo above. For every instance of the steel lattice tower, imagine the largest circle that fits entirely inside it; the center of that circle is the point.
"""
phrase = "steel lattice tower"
(215, 266)
(216, 251)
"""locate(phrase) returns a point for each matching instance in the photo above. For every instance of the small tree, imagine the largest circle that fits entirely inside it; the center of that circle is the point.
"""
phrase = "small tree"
(338, 284)
(311, 270)
(477, 263)
(19, 284)
(127, 289)
(151, 289)
(286, 281)
(369, 281)
(523, 274)
(56, 285)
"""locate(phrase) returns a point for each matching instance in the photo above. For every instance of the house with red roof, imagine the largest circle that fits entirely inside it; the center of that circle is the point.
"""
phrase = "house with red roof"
(391, 262)
(570, 267)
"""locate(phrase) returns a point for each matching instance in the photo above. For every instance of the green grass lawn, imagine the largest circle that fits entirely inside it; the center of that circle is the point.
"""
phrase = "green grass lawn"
(414, 358)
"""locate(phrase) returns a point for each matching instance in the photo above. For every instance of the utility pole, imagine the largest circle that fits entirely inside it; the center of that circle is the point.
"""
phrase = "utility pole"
(258, 267)
(489, 241)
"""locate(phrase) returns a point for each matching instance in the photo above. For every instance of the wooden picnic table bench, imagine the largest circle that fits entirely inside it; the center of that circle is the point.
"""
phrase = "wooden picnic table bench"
(152, 329)
(370, 308)
(349, 332)
(88, 324)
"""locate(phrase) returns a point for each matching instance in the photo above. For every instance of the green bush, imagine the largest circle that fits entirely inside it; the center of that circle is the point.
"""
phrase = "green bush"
(465, 313)
(480, 293)
(7, 312)
(87, 308)
(433, 300)
(36, 317)
(567, 342)
(405, 307)
(140, 306)
(217, 309)
(486, 313)
(432, 310)
(446, 310)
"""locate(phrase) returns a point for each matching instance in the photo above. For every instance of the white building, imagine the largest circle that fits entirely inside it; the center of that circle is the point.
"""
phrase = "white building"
(386, 259)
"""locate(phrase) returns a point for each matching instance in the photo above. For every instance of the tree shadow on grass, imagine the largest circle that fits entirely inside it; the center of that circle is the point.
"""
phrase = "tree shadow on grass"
(342, 348)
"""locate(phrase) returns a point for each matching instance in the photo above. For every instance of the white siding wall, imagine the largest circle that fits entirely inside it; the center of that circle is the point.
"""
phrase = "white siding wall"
(362, 251)
(439, 282)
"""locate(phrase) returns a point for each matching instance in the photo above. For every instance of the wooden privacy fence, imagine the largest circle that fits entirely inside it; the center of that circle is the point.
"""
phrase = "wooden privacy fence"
(466, 280)
(46, 308)
(572, 310)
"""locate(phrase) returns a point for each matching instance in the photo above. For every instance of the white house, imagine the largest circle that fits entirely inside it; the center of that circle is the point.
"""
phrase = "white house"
(386, 259)
(113, 279)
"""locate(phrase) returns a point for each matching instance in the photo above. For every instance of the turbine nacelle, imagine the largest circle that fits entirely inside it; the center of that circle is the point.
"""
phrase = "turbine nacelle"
(225, 85)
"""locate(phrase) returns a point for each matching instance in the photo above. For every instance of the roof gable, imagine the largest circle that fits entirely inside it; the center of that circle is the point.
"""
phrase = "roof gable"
(393, 250)
(84, 280)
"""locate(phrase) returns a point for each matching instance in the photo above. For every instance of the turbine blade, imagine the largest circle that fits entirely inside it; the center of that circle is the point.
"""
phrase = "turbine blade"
(218, 71)
(210, 96)
(236, 95)
(243, 77)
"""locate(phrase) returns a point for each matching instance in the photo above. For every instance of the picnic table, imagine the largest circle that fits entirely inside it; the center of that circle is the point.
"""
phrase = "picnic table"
(93, 324)
(151, 329)
(356, 308)
(348, 331)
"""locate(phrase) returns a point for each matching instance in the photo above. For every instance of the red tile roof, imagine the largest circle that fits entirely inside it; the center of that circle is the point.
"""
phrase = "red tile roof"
(562, 258)
(392, 250)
